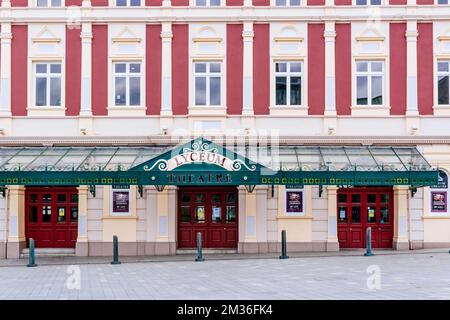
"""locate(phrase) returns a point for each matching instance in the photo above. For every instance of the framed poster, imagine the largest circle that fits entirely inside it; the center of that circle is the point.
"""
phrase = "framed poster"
(294, 201)
(439, 201)
(120, 201)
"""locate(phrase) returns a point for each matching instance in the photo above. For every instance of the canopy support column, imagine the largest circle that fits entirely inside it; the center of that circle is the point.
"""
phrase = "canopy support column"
(401, 213)
(247, 221)
(332, 239)
(82, 246)
(16, 218)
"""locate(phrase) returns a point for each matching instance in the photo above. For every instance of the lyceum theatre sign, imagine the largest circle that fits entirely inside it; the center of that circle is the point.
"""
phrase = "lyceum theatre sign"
(200, 153)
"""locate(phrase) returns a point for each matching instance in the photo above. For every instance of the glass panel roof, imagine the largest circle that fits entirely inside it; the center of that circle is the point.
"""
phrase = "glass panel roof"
(76, 158)
(289, 158)
(340, 158)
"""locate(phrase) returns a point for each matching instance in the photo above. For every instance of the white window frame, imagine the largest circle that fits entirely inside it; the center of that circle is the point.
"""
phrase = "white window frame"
(127, 75)
(113, 3)
(288, 3)
(193, 3)
(48, 76)
(49, 4)
(369, 75)
(442, 73)
(288, 75)
(208, 75)
(368, 4)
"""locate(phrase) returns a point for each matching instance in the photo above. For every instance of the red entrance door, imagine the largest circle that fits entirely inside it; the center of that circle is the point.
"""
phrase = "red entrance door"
(51, 217)
(360, 208)
(211, 211)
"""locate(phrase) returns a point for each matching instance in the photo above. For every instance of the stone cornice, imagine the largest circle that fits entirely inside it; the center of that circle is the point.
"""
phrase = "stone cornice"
(224, 14)
(157, 140)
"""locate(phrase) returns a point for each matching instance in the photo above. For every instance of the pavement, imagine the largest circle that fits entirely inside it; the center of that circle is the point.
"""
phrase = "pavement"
(421, 274)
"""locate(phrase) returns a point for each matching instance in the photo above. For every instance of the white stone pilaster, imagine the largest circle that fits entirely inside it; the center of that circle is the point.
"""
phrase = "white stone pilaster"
(166, 81)
(16, 219)
(86, 69)
(82, 247)
(247, 36)
(6, 3)
(330, 78)
(411, 73)
(85, 119)
(401, 217)
(5, 70)
(332, 238)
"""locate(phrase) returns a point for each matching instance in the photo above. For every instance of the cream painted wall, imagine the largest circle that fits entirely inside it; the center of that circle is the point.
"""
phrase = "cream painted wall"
(320, 215)
(437, 230)
(3, 219)
(141, 224)
(94, 215)
(272, 212)
(124, 227)
(416, 223)
(298, 228)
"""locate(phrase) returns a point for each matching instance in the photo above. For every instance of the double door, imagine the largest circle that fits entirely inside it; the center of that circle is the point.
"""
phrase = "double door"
(51, 217)
(211, 211)
(360, 208)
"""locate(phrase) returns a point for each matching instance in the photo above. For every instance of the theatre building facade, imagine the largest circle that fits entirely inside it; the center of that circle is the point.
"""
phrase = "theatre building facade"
(156, 120)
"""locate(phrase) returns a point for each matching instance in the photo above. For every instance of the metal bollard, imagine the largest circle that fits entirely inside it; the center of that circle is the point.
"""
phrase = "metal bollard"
(32, 257)
(199, 248)
(368, 242)
(115, 250)
(283, 245)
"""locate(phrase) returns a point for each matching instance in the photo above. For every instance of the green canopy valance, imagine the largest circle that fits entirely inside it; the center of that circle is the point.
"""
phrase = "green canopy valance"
(202, 162)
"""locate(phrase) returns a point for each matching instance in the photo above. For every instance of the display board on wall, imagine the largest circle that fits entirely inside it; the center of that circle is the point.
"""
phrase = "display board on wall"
(120, 200)
(439, 201)
(293, 201)
(438, 194)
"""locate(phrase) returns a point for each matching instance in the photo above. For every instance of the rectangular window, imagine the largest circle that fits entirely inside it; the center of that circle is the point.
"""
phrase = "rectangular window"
(204, 3)
(443, 74)
(49, 3)
(368, 2)
(287, 3)
(128, 3)
(127, 83)
(369, 83)
(288, 83)
(47, 84)
(442, 1)
(208, 82)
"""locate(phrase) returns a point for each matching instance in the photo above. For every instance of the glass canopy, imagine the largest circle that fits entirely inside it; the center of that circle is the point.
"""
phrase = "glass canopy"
(75, 158)
(283, 158)
(341, 158)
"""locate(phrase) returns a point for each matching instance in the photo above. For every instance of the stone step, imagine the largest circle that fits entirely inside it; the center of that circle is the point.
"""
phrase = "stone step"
(206, 251)
(49, 252)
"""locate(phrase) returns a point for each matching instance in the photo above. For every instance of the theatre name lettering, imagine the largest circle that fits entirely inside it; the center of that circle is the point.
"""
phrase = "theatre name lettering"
(198, 178)
(200, 154)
